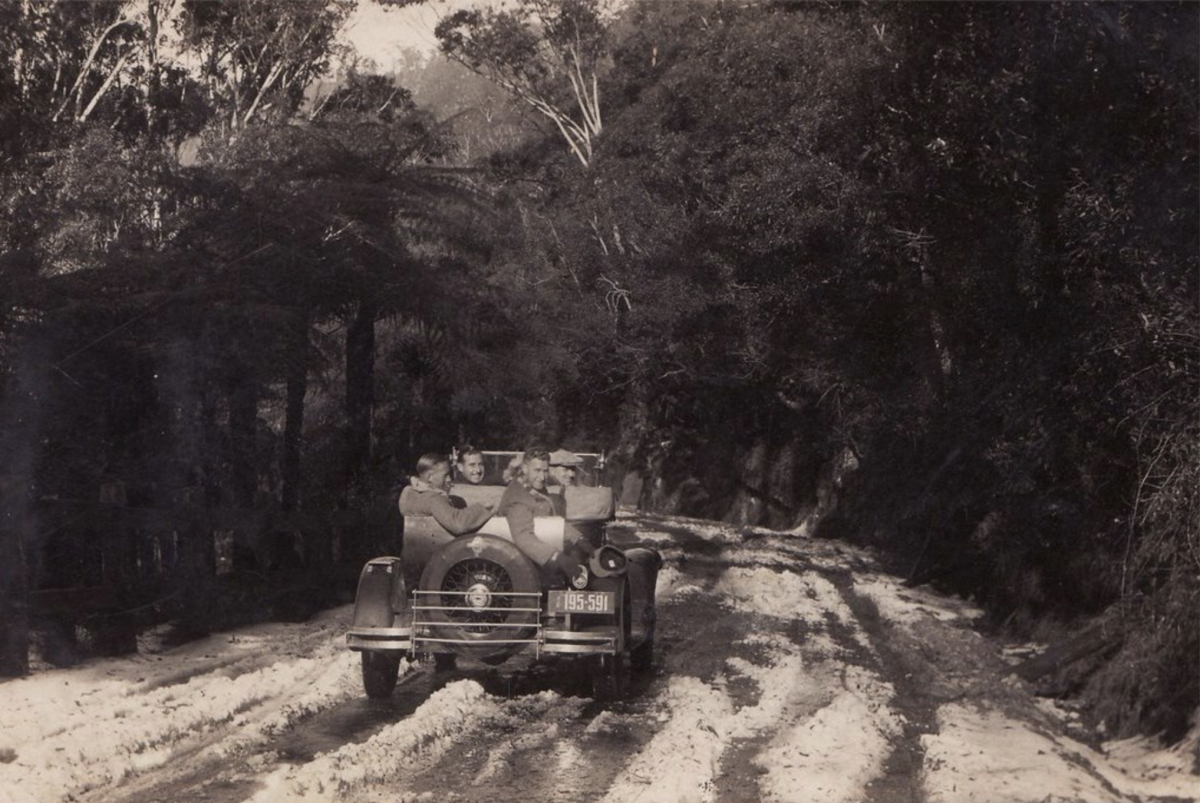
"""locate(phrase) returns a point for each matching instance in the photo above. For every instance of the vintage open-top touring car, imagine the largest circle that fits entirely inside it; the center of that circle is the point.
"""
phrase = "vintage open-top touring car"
(478, 596)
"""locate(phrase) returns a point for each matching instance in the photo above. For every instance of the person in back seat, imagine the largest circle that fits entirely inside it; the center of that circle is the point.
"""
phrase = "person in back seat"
(564, 466)
(526, 498)
(470, 465)
(427, 496)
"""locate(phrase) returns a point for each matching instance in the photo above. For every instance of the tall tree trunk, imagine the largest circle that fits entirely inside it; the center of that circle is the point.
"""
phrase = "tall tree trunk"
(153, 70)
(15, 520)
(210, 449)
(243, 424)
(293, 428)
(20, 433)
(18, 58)
(360, 394)
(196, 445)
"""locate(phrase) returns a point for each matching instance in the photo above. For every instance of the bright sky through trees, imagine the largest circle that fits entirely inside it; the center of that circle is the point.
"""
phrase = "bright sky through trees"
(380, 34)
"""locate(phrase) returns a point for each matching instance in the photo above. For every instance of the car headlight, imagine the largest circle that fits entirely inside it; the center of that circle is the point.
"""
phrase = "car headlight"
(608, 561)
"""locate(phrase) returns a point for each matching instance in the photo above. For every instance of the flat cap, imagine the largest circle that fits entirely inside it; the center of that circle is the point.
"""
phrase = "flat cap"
(561, 457)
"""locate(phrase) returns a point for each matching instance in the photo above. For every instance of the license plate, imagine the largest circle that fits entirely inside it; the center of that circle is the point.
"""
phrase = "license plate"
(582, 602)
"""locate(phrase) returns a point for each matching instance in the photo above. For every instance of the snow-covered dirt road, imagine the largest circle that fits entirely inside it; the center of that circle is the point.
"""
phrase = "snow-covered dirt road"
(788, 669)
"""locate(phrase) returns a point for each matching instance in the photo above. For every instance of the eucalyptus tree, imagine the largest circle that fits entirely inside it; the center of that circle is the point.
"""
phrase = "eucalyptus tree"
(70, 63)
(547, 53)
(257, 57)
(93, 192)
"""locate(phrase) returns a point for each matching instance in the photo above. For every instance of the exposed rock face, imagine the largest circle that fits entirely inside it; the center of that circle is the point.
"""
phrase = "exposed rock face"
(780, 483)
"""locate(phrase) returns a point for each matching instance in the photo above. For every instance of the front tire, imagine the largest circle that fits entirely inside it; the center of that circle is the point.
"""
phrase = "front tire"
(609, 678)
(380, 671)
(641, 657)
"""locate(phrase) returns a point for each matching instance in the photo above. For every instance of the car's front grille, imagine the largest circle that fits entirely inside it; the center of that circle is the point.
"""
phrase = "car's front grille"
(447, 617)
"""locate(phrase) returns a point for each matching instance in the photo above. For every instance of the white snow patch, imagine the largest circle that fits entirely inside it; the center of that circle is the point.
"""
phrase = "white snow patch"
(797, 533)
(906, 606)
(984, 756)
(380, 765)
(681, 760)
(711, 531)
(714, 532)
(71, 738)
(781, 681)
(820, 552)
(834, 754)
(1142, 767)
(1016, 653)
(500, 757)
(671, 583)
(786, 595)
(339, 680)
(414, 742)
(604, 722)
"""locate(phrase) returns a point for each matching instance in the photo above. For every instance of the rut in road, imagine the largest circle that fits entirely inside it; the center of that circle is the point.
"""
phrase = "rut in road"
(788, 668)
(729, 682)
(214, 771)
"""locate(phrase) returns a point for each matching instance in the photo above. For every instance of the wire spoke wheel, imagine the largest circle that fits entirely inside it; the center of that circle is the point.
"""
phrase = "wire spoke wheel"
(486, 591)
(480, 587)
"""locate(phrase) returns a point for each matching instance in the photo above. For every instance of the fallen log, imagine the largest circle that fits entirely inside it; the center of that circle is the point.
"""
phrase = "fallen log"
(1092, 644)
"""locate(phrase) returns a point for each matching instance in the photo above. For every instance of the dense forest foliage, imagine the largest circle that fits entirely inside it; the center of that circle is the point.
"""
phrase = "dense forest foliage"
(922, 276)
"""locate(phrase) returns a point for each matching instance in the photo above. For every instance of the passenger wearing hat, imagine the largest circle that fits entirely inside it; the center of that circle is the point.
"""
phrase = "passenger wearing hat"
(563, 467)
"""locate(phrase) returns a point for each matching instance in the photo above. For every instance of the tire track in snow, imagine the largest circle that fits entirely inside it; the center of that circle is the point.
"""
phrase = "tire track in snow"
(833, 755)
(545, 747)
(412, 759)
(786, 690)
(510, 758)
(900, 776)
(212, 778)
(812, 757)
(391, 755)
(707, 731)
(258, 736)
(680, 763)
(841, 723)
(120, 737)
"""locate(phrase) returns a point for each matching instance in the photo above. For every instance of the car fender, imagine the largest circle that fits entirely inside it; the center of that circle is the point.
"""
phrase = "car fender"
(621, 617)
(381, 594)
(642, 573)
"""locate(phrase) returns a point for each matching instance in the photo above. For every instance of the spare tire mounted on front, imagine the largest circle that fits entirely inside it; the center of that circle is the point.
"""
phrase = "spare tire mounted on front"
(481, 592)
